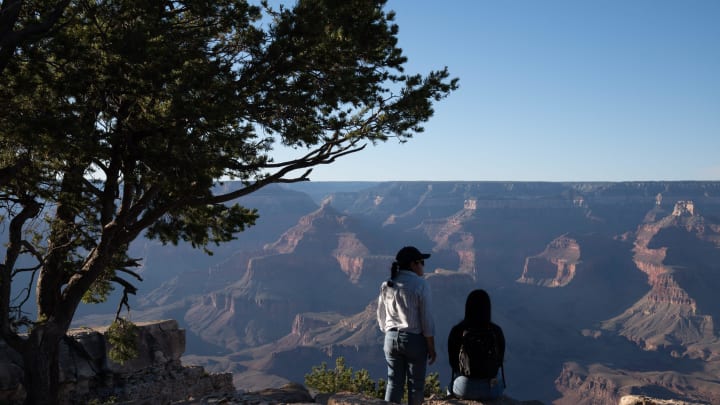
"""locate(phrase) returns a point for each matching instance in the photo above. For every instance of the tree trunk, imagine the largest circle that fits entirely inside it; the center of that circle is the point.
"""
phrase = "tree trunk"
(41, 359)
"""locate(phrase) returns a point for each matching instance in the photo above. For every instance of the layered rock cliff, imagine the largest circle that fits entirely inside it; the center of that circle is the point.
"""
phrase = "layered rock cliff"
(555, 266)
(668, 316)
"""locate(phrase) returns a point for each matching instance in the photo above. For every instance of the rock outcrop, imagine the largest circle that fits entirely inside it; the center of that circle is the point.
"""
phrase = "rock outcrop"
(554, 267)
(156, 375)
(601, 384)
(643, 400)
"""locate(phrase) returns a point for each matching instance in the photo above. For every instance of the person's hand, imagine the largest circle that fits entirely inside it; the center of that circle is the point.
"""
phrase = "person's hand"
(431, 349)
(431, 355)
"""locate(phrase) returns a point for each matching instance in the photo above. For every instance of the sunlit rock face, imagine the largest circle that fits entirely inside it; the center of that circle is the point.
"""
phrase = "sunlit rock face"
(555, 266)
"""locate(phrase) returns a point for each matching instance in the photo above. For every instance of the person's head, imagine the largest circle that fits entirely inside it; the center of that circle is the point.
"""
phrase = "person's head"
(477, 307)
(409, 258)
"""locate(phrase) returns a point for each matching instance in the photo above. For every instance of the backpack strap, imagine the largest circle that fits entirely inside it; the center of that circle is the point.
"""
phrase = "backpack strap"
(502, 363)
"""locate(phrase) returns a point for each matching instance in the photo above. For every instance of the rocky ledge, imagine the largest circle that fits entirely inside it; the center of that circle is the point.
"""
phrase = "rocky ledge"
(298, 395)
(87, 374)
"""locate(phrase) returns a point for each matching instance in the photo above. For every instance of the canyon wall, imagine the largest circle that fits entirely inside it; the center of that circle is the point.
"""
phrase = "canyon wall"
(602, 289)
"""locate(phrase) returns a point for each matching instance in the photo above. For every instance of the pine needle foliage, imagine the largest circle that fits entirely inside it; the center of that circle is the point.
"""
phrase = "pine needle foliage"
(122, 335)
(121, 119)
(343, 379)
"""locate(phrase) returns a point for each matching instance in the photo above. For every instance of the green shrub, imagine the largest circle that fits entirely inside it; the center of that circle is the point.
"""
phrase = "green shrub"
(122, 335)
(432, 385)
(108, 401)
(342, 378)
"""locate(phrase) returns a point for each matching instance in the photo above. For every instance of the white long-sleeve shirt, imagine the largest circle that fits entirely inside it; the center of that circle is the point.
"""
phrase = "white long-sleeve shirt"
(406, 305)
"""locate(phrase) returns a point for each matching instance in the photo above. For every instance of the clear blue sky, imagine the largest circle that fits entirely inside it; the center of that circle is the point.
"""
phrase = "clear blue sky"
(576, 90)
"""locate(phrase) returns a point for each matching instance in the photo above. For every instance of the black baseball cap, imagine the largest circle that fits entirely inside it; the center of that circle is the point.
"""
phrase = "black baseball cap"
(409, 254)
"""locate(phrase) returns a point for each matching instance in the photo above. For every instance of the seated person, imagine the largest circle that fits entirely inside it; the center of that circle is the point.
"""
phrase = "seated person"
(476, 350)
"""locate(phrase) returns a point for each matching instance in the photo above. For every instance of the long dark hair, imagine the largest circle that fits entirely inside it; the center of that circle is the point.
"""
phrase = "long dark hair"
(396, 267)
(477, 308)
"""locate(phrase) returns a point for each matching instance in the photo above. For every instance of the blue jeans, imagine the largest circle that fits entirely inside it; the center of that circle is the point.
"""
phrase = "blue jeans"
(406, 357)
(481, 389)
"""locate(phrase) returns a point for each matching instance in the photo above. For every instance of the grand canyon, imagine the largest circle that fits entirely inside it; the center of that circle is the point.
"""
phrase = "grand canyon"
(602, 289)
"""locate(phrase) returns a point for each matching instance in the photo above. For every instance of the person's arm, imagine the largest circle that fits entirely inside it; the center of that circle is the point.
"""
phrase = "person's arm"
(432, 354)
(381, 312)
(428, 323)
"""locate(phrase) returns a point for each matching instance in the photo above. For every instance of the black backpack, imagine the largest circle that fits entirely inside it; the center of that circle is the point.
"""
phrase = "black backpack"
(480, 355)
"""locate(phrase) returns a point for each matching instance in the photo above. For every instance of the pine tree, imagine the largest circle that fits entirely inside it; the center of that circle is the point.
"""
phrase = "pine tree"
(126, 117)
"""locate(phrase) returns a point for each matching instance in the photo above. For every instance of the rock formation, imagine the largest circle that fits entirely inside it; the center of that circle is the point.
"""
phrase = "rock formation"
(156, 375)
(554, 267)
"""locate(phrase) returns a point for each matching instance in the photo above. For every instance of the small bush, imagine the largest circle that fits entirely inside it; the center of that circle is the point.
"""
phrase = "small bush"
(121, 335)
(342, 378)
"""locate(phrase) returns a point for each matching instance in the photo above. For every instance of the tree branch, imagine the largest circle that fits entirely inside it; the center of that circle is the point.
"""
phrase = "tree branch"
(127, 289)
(10, 39)
(30, 209)
(320, 156)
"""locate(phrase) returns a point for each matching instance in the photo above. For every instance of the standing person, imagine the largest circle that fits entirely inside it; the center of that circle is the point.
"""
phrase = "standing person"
(476, 350)
(404, 315)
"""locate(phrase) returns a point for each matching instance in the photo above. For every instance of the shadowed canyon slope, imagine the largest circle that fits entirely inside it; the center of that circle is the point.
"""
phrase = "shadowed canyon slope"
(603, 289)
